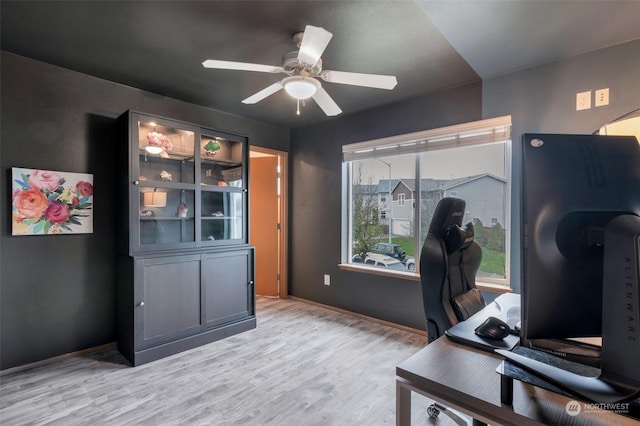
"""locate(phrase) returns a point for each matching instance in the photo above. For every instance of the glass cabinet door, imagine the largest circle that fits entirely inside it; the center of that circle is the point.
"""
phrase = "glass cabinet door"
(164, 171)
(221, 161)
(223, 188)
(166, 153)
(222, 216)
(166, 216)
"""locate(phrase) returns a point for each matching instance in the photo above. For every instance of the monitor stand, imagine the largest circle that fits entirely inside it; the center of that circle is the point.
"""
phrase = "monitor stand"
(619, 378)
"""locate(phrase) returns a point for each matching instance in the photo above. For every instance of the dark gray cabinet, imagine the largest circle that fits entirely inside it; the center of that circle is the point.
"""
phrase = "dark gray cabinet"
(185, 270)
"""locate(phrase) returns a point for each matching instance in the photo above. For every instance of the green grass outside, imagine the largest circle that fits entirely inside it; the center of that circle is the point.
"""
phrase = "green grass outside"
(493, 262)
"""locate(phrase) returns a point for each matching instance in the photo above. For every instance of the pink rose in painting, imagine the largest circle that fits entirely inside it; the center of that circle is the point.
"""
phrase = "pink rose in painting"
(57, 212)
(42, 179)
(75, 201)
(85, 188)
(30, 203)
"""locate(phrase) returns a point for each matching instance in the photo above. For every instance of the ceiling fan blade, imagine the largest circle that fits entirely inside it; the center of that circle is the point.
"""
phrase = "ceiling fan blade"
(268, 91)
(314, 41)
(325, 102)
(240, 66)
(356, 79)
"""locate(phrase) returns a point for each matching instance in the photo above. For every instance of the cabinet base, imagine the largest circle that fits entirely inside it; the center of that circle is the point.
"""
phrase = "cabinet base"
(161, 351)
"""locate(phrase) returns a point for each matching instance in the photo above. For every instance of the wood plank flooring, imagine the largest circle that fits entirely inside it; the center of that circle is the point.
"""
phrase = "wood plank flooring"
(302, 365)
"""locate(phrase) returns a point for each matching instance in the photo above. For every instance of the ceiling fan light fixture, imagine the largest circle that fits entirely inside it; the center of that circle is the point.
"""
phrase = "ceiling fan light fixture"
(300, 87)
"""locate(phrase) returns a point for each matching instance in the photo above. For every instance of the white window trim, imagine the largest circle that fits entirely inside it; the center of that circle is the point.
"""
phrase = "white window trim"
(467, 134)
(482, 132)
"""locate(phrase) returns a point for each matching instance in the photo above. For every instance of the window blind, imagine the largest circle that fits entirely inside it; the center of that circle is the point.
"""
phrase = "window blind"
(480, 132)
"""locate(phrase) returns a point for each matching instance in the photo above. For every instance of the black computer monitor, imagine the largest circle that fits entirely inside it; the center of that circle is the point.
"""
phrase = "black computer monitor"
(581, 259)
(572, 187)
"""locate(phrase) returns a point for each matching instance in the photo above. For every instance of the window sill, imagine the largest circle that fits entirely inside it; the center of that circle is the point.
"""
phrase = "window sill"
(412, 276)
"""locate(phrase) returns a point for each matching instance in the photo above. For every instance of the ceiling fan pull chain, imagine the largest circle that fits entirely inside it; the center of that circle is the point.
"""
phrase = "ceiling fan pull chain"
(298, 108)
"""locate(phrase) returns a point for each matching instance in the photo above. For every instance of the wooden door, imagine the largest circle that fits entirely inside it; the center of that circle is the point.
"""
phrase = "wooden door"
(264, 221)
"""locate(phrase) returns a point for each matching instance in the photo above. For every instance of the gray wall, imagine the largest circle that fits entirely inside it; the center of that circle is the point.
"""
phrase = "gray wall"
(543, 100)
(57, 293)
(316, 170)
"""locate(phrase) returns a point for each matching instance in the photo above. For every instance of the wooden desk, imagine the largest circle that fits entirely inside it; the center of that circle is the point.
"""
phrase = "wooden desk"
(465, 379)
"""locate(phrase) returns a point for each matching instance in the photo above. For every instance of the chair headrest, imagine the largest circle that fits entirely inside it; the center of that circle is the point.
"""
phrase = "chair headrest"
(458, 237)
(449, 211)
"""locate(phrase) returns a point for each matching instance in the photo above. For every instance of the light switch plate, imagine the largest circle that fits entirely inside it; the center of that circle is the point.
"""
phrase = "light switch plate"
(602, 97)
(583, 100)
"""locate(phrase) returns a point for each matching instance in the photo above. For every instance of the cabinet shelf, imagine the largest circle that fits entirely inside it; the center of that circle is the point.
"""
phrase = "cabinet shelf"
(220, 161)
(180, 156)
(168, 155)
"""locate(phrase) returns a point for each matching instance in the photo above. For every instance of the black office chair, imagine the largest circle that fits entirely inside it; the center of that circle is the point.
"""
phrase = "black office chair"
(449, 261)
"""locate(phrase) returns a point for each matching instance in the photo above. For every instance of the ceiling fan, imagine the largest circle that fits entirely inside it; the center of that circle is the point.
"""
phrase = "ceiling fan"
(304, 68)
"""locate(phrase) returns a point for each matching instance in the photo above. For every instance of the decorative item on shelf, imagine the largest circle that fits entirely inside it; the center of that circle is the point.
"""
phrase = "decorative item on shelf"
(210, 238)
(158, 142)
(143, 178)
(222, 183)
(217, 214)
(211, 147)
(232, 174)
(182, 210)
(146, 213)
(155, 198)
(165, 176)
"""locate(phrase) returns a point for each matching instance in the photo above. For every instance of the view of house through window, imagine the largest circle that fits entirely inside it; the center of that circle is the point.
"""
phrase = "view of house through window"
(393, 194)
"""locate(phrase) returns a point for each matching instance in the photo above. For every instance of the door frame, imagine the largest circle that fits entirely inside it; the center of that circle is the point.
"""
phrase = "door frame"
(283, 247)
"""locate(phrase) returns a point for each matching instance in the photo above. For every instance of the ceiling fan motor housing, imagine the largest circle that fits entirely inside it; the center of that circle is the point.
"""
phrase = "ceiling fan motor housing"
(292, 64)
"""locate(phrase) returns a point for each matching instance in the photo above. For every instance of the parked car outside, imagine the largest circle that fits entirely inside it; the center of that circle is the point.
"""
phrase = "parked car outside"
(410, 263)
(382, 261)
(391, 250)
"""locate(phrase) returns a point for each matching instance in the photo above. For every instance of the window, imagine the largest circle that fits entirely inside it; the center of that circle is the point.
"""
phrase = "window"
(454, 194)
(471, 159)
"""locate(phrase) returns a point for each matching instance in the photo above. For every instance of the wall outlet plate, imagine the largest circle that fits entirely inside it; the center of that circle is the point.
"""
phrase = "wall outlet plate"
(327, 279)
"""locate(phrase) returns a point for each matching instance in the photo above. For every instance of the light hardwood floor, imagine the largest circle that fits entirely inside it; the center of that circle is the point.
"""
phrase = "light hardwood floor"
(303, 365)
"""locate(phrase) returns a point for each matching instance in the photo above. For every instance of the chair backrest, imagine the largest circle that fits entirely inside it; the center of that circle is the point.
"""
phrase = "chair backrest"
(449, 261)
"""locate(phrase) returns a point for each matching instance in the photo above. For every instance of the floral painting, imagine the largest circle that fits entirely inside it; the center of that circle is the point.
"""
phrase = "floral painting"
(45, 202)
